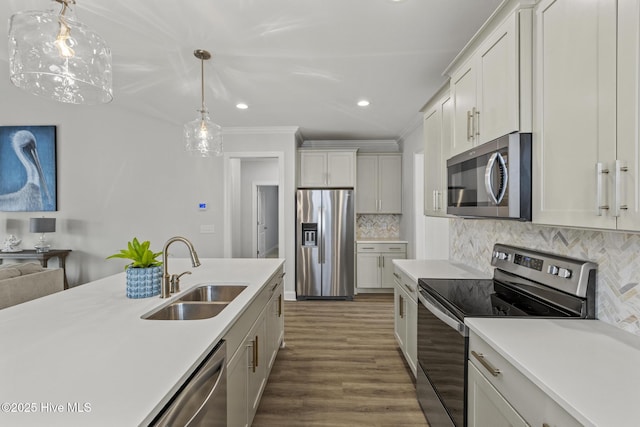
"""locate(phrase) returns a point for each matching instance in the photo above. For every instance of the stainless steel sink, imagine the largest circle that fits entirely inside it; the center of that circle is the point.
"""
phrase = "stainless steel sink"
(213, 292)
(186, 311)
(202, 302)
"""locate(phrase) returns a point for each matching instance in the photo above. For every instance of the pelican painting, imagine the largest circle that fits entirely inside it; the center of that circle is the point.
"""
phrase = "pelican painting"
(27, 168)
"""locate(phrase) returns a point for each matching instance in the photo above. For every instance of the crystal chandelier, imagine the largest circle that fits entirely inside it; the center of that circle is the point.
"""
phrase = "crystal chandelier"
(202, 136)
(54, 55)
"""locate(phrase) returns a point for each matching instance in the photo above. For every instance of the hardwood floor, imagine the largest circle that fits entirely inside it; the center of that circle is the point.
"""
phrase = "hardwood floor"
(341, 367)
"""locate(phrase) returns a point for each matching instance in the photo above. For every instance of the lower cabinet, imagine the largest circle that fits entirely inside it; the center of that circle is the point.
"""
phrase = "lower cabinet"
(500, 395)
(406, 317)
(252, 346)
(374, 263)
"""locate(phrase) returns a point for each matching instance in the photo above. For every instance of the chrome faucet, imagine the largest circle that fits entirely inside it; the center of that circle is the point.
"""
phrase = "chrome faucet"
(167, 280)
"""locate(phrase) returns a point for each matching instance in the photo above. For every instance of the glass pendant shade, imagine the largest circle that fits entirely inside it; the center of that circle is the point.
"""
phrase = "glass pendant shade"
(202, 136)
(54, 55)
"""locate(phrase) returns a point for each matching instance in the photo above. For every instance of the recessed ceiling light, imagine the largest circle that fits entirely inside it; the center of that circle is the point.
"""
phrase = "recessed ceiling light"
(363, 103)
(242, 106)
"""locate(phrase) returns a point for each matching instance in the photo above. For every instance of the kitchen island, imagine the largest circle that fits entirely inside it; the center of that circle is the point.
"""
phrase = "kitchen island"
(85, 357)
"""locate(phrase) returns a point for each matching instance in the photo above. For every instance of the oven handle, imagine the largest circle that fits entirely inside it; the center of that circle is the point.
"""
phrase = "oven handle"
(440, 312)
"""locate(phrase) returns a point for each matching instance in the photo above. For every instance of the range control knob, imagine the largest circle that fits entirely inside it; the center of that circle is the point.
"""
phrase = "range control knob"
(500, 255)
(564, 273)
(552, 269)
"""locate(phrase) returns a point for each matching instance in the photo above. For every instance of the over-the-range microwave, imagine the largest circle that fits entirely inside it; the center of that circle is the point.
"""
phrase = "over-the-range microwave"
(492, 180)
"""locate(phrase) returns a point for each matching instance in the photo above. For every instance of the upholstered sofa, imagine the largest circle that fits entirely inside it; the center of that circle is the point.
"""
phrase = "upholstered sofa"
(23, 282)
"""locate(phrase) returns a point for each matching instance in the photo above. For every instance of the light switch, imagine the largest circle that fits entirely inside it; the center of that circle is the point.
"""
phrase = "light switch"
(207, 228)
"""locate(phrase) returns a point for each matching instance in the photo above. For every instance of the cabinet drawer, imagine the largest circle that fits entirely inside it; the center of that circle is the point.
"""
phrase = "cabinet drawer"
(536, 407)
(403, 281)
(381, 247)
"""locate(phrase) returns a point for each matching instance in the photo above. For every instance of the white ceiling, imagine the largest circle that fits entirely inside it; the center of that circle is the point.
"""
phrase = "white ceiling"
(298, 63)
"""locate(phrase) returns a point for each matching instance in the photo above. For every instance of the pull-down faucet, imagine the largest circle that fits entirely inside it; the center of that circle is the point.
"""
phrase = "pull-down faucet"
(166, 279)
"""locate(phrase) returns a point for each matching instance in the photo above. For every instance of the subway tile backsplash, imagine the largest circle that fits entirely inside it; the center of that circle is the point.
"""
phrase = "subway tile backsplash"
(617, 255)
(377, 226)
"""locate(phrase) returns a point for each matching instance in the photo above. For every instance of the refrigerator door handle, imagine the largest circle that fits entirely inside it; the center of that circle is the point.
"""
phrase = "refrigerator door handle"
(321, 236)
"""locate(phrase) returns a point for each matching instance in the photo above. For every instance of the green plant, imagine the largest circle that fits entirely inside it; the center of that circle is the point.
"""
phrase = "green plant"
(140, 254)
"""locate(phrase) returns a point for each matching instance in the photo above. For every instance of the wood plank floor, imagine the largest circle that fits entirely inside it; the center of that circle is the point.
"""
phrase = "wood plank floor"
(341, 367)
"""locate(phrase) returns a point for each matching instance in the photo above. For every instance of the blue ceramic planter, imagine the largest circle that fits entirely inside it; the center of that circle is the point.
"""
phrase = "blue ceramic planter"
(143, 282)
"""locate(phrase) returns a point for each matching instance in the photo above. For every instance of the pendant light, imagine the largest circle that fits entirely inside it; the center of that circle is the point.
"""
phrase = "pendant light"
(54, 55)
(202, 136)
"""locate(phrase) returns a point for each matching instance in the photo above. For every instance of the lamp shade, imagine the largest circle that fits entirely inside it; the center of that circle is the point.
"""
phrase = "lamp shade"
(42, 225)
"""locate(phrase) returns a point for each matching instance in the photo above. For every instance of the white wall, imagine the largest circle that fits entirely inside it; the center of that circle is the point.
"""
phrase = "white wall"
(122, 175)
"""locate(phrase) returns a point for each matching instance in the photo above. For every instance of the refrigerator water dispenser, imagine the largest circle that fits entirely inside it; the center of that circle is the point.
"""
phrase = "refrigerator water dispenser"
(310, 234)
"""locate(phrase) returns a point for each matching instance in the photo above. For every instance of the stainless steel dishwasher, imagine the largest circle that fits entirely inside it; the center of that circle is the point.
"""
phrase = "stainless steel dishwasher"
(202, 400)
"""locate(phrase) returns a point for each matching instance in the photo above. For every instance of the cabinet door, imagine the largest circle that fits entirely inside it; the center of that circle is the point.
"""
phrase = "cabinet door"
(498, 100)
(367, 186)
(463, 94)
(432, 159)
(237, 393)
(400, 322)
(275, 325)
(628, 136)
(368, 270)
(486, 406)
(387, 279)
(574, 121)
(341, 169)
(257, 370)
(390, 184)
(313, 169)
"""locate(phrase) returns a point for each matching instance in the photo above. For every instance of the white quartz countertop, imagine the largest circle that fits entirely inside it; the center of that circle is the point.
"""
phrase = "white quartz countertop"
(590, 368)
(437, 269)
(88, 348)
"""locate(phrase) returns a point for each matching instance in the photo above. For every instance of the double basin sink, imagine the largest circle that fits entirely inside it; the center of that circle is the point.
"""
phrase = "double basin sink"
(201, 302)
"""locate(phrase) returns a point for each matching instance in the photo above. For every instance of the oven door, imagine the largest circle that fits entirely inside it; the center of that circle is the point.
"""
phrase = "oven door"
(442, 367)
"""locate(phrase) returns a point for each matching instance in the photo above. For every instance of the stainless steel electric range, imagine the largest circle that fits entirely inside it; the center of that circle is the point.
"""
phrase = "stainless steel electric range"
(526, 283)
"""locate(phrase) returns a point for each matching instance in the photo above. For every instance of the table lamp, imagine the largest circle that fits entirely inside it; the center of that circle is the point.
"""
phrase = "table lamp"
(42, 225)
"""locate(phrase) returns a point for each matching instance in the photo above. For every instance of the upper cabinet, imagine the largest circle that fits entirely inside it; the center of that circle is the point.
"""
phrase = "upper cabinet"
(327, 168)
(379, 184)
(490, 83)
(587, 148)
(438, 129)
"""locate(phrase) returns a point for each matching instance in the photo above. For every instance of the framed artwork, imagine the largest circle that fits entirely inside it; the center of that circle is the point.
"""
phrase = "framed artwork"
(28, 168)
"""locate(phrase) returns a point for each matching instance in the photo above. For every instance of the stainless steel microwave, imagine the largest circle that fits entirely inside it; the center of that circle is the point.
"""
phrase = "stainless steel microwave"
(492, 180)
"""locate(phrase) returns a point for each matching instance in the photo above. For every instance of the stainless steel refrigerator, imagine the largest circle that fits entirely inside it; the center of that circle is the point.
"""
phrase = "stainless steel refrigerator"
(325, 244)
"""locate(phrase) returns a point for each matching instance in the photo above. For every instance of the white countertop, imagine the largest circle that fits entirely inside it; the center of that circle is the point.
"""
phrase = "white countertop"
(590, 368)
(437, 269)
(381, 240)
(89, 345)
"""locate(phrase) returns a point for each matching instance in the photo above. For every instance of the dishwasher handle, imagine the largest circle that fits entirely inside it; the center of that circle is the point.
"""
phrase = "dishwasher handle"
(208, 384)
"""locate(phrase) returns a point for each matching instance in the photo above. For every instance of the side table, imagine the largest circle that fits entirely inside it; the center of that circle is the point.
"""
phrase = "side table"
(43, 257)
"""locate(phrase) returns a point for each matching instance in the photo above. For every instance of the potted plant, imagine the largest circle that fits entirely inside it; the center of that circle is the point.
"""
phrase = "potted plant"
(144, 273)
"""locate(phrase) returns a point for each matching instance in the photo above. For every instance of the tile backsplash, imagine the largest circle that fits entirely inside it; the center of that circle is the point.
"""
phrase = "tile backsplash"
(617, 255)
(377, 226)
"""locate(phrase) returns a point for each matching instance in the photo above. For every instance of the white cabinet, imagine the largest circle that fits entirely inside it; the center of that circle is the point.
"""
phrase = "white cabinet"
(252, 345)
(327, 168)
(500, 395)
(379, 184)
(587, 148)
(438, 131)
(406, 317)
(374, 263)
(491, 85)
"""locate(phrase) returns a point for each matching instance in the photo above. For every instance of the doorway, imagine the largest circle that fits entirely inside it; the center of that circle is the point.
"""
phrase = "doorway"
(265, 242)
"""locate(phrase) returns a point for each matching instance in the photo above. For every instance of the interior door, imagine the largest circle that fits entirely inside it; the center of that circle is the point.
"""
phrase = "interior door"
(261, 226)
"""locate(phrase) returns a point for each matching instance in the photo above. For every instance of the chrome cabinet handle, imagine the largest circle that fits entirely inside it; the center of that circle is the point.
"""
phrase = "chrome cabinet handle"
(396, 275)
(476, 122)
(492, 369)
(600, 170)
(469, 126)
(617, 203)
(409, 288)
(488, 174)
(401, 306)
